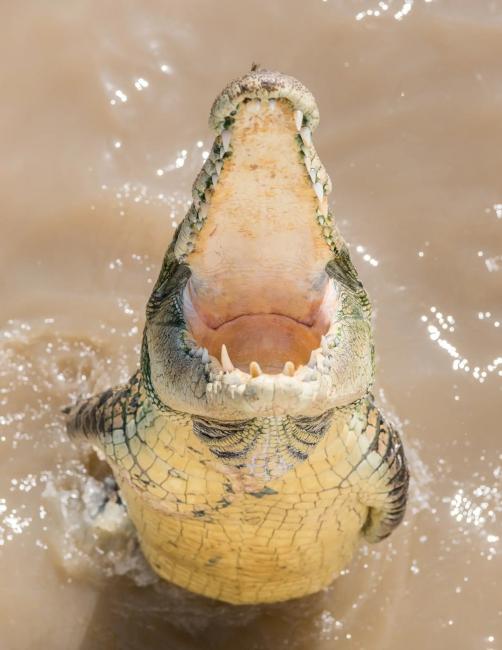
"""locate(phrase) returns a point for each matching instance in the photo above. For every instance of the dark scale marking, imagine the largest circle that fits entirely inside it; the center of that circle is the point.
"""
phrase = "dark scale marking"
(266, 491)
(317, 425)
(296, 453)
(213, 429)
(227, 455)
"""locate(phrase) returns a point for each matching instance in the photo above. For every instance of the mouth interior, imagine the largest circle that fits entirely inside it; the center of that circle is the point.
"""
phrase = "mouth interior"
(258, 283)
(272, 340)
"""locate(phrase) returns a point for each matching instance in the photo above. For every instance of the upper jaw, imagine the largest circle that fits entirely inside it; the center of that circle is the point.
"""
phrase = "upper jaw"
(185, 375)
(264, 90)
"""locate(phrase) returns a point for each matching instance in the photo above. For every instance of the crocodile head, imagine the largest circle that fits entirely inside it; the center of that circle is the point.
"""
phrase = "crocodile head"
(258, 310)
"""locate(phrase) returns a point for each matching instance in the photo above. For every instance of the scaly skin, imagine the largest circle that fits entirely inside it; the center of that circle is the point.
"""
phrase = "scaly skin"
(254, 486)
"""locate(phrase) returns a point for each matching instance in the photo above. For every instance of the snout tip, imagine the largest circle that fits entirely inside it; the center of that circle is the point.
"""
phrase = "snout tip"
(263, 84)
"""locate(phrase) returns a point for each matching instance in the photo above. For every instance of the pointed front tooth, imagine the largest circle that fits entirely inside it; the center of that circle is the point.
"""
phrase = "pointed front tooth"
(255, 105)
(227, 365)
(298, 119)
(218, 165)
(271, 104)
(306, 135)
(318, 189)
(205, 356)
(289, 369)
(225, 139)
(313, 175)
(254, 369)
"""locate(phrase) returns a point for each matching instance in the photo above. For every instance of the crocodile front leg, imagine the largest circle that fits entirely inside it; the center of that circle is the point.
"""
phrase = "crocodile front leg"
(385, 476)
(111, 419)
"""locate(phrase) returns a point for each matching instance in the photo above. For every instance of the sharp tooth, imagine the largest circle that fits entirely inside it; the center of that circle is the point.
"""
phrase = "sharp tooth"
(225, 139)
(313, 175)
(218, 164)
(271, 104)
(307, 374)
(306, 136)
(205, 356)
(313, 358)
(203, 210)
(318, 189)
(255, 105)
(299, 119)
(254, 369)
(214, 179)
(227, 365)
(289, 369)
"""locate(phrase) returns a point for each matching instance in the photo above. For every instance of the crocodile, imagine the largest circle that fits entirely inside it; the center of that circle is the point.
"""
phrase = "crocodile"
(247, 447)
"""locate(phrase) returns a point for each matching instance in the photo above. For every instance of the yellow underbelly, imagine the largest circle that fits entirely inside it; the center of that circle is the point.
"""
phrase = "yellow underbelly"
(256, 549)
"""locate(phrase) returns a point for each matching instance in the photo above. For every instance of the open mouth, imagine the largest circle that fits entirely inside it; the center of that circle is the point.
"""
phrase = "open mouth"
(262, 342)
(259, 298)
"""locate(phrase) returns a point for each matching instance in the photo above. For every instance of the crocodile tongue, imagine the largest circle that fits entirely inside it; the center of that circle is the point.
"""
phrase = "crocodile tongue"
(258, 282)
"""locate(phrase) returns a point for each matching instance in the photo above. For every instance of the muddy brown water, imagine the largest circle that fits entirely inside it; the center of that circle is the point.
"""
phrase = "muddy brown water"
(103, 127)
